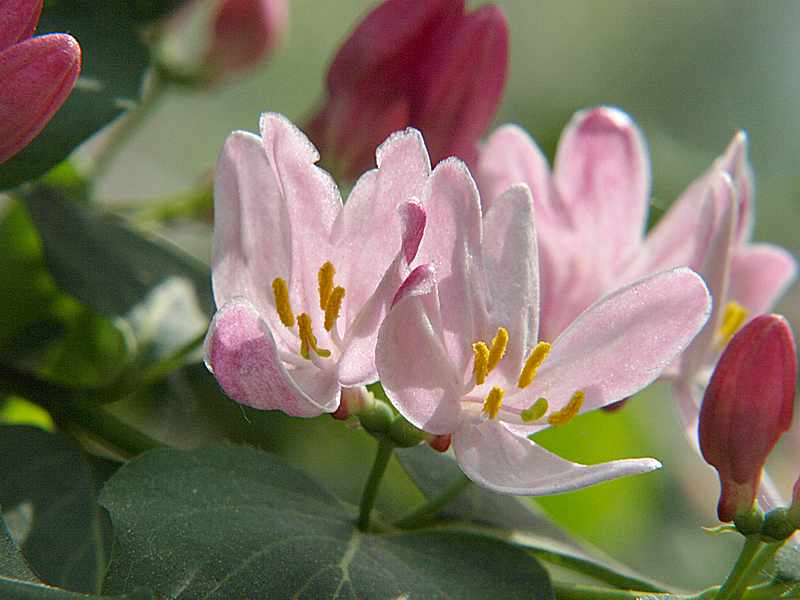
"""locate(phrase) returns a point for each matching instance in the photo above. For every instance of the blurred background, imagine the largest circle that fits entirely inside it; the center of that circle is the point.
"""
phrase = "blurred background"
(691, 74)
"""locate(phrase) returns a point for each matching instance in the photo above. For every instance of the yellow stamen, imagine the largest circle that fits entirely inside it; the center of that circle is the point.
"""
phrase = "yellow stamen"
(566, 414)
(308, 340)
(480, 368)
(282, 305)
(325, 280)
(535, 360)
(535, 411)
(334, 305)
(733, 317)
(493, 402)
(499, 344)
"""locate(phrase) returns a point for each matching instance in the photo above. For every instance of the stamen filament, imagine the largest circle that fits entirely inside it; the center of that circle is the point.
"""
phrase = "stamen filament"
(480, 368)
(566, 414)
(535, 411)
(281, 292)
(325, 280)
(333, 307)
(491, 407)
(733, 317)
(308, 341)
(532, 364)
(498, 350)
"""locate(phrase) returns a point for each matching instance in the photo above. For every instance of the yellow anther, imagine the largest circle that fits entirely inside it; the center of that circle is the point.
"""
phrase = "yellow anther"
(334, 305)
(308, 340)
(566, 414)
(499, 345)
(480, 368)
(535, 360)
(733, 317)
(325, 280)
(282, 305)
(535, 411)
(493, 402)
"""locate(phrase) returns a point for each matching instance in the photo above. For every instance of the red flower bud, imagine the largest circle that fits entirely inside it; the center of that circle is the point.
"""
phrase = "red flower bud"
(747, 407)
(37, 74)
(428, 65)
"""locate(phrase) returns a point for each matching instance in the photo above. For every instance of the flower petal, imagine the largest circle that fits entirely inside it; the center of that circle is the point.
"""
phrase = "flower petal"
(623, 341)
(412, 361)
(734, 162)
(241, 352)
(38, 75)
(512, 275)
(370, 219)
(496, 458)
(603, 176)
(760, 274)
(18, 19)
(452, 244)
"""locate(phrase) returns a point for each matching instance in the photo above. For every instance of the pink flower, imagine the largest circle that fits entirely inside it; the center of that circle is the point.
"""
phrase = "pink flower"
(426, 64)
(460, 350)
(747, 407)
(301, 282)
(38, 73)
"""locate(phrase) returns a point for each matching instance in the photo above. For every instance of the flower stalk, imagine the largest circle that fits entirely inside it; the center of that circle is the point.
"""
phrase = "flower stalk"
(370, 493)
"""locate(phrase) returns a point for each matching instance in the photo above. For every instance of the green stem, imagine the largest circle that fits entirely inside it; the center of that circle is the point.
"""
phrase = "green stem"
(730, 589)
(769, 591)
(382, 457)
(429, 509)
(577, 591)
(761, 558)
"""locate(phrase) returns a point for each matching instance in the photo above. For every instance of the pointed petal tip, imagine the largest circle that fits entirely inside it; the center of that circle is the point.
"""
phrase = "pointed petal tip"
(408, 137)
(275, 125)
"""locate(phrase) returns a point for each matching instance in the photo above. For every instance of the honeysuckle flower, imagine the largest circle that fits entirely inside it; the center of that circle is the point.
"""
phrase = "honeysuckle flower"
(206, 41)
(747, 406)
(460, 351)
(429, 65)
(302, 282)
(38, 73)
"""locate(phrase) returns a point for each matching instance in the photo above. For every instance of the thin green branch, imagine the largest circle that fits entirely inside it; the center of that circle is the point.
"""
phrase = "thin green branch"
(382, 458)
(424, 513)
(730, 589)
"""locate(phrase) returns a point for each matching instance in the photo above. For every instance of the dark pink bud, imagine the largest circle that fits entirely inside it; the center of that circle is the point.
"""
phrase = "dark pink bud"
(243, 34)
(37, 74)
(428, 65)
(747, 407)
(18, 19)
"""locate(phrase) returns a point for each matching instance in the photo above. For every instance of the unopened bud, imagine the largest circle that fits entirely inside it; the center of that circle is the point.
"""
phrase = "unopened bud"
(747, 407)
(440, 443)
(377, 419)
(404, 434)
(354, 401)
(778, 525)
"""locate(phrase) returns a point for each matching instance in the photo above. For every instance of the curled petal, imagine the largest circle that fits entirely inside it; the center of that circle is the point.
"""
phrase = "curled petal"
(18, 19)
(496, 458)
(241, 352)
(760, 274)
(623, 342)
(38, 75)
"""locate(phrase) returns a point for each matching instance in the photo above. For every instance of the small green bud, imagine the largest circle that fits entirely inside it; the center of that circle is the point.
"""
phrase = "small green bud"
(377, 420)
(778, 525)
(750, 522)
(404, 434)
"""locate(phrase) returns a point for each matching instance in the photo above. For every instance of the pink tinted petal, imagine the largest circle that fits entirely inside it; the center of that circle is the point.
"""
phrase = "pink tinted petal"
(462, 81)
(497, 459)
(241, 353)
(510, 156)
(687, 398)
(367, 232)
(737, 165)
(38, 76)
(452, 244)
(760, 274)
(357, 361)
(252, 241)
(716, 272)
(413, 364)
(311, 203)
(623, 341)
(512, 275)
(602, 174)
(18, 19)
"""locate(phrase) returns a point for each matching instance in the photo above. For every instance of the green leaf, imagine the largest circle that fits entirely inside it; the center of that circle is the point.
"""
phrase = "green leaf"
(787, 561)
(49, 502)
(12, 564)
(161, 295)
(229, 522)
(13, 589)
(114, 61)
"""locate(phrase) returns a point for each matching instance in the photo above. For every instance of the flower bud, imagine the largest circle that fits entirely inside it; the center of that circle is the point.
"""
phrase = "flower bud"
(206, 41)
(355, 400)
(38, 74)
(428, 65)
(747, 407)
(440, 443)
